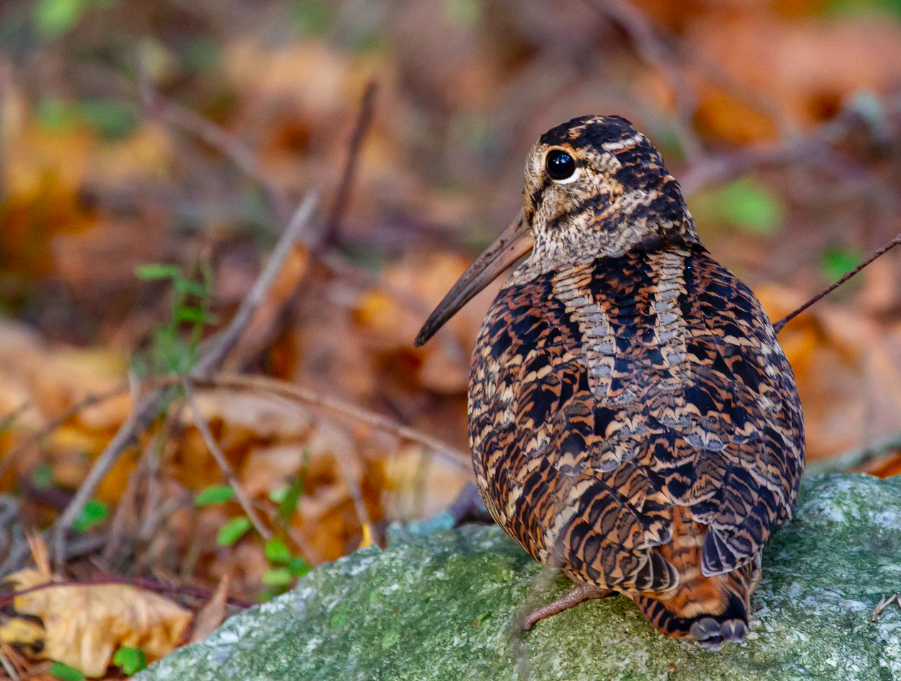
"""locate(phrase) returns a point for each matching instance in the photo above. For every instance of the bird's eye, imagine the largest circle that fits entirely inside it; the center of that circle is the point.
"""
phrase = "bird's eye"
(560, 165)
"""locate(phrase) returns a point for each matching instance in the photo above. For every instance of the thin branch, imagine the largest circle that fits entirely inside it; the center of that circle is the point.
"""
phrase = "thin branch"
(85, 403)
(138, 582)
(264, 384)
(227, 144)
(345, 185)
(7, 665)
(356, 492)
(656, 52)
(231, 477)
(658, 44)
(778, 326)
(214, 351)
(212, 356)
(807, 148)
(139, 421)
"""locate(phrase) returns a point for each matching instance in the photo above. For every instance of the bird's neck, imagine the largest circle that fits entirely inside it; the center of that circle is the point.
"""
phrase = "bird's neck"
(633, 223)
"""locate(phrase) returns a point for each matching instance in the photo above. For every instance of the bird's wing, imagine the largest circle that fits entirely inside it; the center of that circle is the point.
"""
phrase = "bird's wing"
(605, 395)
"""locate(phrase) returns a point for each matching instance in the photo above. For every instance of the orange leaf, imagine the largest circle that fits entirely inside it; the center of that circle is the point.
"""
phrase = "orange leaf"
(86, 624)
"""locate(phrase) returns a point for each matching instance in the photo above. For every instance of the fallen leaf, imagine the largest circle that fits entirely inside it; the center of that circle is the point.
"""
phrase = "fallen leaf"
(86, 624)
(24, 633)
(212, 614)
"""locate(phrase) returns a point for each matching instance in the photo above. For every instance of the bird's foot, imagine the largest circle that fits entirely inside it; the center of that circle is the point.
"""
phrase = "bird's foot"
(582, 592)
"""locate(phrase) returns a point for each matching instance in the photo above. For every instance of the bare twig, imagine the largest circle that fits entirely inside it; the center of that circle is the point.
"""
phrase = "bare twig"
(85, 403)
(656, 52)
(778, 326)
(116, 542)
(231, 477)
(345, 185)
(18, 662)
(212, 356)
(138, 582)
(11, 417)
(7, 665)
(657, 44)
(227, 144)
(20, 553)
(139, 421)
(808, 148)
(214, 351)
(356, 493)
(298, 393)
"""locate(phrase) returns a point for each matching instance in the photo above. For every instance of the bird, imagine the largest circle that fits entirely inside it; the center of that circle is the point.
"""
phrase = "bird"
(632, 417)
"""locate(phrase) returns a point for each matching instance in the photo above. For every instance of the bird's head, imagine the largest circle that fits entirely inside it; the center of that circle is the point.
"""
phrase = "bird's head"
(594, 187)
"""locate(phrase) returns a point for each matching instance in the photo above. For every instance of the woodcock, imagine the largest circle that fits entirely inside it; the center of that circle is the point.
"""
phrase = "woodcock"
(632, 417)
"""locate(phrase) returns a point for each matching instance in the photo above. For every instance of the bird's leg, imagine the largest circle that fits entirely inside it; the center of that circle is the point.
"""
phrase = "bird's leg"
(579, 593)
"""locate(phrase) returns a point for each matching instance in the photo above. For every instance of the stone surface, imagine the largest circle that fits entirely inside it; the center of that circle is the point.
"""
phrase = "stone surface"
(445, 607)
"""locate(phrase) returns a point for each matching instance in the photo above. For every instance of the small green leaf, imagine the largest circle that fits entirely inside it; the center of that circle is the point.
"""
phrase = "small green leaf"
(112, 119)
(752, 207)
(42, 476)
(195, 288)
(287, 504)
(277, 577)
(312, 17)
(201, 54)
(92, 515)
(55, 115)
(839, 261)
(65, 672)
(277, 496)
(463, 12)
(298, 566)
(232, 531)
(157, 271)
(193, 314)
(214, 494)
(277, 551)
(746, 204)
(55, 17)
(131, 660)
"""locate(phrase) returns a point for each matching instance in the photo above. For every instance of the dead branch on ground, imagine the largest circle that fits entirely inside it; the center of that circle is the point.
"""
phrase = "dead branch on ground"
(230, 476)
(150, 406)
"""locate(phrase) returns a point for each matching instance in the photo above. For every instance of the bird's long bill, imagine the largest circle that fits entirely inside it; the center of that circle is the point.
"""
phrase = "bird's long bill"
(513, 243)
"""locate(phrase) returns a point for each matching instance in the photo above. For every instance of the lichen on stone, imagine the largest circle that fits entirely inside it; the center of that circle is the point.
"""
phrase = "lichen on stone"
(446, 606)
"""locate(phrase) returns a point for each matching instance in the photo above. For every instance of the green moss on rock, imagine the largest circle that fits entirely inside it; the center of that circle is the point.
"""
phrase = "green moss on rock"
(446, 606)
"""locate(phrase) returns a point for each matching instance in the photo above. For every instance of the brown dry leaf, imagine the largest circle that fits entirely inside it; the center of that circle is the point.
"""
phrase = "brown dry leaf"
(420, 486)
(21, 632)
(807, 65)
(885, 467)
(86, 624)
(392, 317)
(266, 417)
(212, 614)
(48, 381)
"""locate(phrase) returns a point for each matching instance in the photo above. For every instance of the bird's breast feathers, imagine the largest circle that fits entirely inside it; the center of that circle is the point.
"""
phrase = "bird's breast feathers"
(607, 394)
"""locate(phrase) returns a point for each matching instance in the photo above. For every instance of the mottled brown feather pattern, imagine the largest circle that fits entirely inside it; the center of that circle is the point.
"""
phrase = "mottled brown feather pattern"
(632, 417)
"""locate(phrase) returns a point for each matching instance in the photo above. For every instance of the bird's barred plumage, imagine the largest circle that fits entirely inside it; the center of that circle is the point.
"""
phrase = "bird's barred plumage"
(633, 419)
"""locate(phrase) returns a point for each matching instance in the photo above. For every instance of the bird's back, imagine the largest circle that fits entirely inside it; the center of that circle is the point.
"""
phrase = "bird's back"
(634, 421)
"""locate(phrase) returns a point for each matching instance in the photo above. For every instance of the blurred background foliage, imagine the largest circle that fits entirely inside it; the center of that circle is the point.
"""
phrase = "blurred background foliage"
(129, 231)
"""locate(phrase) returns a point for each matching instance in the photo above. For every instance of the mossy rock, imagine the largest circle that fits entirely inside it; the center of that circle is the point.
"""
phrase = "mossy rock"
(446, 607)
